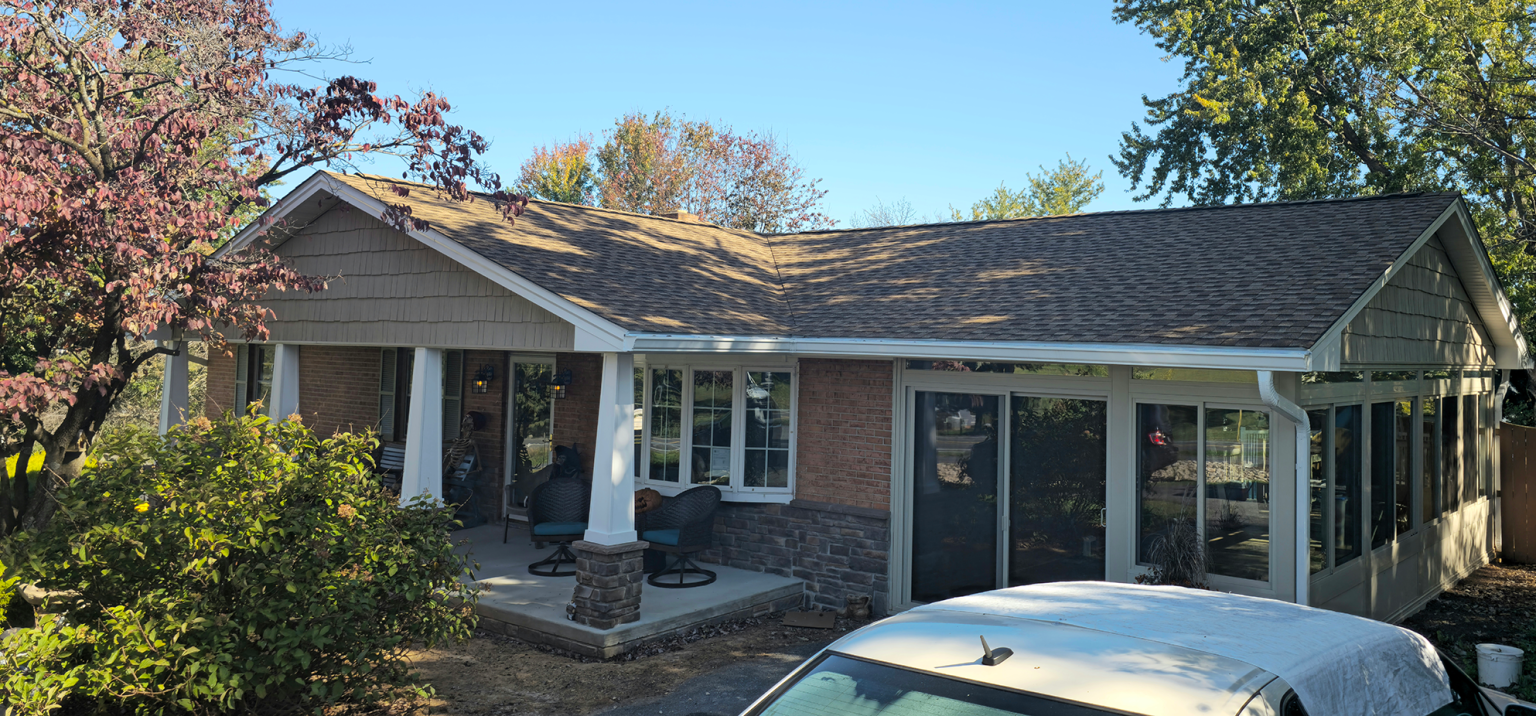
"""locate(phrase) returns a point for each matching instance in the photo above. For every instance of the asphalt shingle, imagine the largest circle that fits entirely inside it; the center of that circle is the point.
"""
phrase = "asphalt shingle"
(1258, 275)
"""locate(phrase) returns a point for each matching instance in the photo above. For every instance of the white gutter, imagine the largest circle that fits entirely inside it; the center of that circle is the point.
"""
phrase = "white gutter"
(1140, 354)
(1295, 414)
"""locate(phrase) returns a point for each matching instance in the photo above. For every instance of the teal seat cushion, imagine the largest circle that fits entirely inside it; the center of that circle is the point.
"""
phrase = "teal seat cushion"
(560, 528)
(666, 537)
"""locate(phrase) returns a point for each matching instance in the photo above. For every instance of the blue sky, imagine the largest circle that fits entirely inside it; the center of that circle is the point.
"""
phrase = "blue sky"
(935, 103)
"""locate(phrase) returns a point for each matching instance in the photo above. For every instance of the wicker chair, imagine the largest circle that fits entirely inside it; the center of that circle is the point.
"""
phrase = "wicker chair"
(683, 526)
(557, 512)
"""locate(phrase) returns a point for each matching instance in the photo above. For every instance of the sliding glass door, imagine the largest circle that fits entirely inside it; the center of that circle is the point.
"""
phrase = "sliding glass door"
(1046, 487)
(954, 495)
(1056, 490)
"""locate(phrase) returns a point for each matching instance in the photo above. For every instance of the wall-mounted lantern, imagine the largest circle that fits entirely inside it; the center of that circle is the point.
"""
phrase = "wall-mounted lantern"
(559, 384)
(483, 378)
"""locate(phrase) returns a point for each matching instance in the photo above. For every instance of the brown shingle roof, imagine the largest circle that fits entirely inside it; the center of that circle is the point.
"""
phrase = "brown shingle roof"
(1257, 275)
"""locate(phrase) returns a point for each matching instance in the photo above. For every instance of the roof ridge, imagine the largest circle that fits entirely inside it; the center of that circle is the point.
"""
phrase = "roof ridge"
(489, 197)
(1154, 210)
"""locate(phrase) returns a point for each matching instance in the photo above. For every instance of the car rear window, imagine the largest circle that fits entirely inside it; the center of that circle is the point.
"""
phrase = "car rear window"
(843, 686)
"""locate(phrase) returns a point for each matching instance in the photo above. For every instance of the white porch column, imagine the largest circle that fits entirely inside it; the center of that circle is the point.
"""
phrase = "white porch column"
(173, 388)
(611, 520)
(285, 382)
(424, 428)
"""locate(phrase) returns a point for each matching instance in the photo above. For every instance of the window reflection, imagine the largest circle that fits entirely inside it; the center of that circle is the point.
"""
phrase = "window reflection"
(666, 424)
(1237, 492)
(1167, 471)
(1430, 500)
(1450, 453)
(954, 495)
(1317, 426)
(1347, 489)
(712, 397)
(767, 428)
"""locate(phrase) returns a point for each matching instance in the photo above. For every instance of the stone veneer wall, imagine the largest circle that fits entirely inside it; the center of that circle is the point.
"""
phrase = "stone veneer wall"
(837, 549)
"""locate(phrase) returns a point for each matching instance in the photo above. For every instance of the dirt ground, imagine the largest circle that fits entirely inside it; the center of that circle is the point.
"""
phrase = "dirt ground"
(493, 674)
(1496, 604)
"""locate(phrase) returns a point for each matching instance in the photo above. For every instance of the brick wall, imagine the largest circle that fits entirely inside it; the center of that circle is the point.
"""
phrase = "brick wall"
(576, 414)
(490, 441)
(837, 549)
(844, 433)
(339, 388)
(221, 382)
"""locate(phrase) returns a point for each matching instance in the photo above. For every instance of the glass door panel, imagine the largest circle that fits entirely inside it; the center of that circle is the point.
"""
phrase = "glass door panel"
(1056, 490)
(1237, 492)
(533, 427)
(954, 495)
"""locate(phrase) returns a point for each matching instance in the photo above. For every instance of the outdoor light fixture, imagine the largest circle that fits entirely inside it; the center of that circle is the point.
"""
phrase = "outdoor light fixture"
(483, 378)
(559, 383)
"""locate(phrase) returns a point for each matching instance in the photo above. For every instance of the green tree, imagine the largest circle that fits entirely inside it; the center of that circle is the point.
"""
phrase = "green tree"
(561, 172)
(1301, 99)
(1067, 189)
(663, 163)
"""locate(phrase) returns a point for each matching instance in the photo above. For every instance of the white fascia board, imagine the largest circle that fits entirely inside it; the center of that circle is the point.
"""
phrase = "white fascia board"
(1152, 355)
(1512, 351)
(316, 183)
(608, 335)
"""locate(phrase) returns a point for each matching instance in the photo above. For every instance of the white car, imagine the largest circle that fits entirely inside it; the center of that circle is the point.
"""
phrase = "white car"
(1093, 648)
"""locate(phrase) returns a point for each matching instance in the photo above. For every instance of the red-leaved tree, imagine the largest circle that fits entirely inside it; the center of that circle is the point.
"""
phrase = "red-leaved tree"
(134, 138)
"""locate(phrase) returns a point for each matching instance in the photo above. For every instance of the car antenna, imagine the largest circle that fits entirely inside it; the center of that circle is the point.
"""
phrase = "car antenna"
(993, 657)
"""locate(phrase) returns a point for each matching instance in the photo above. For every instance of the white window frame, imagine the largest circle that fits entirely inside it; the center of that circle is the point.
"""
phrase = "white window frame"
(1201, 405)
(734, 491)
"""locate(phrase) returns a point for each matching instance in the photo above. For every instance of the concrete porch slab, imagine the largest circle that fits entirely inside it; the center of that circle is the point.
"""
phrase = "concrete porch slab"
(532, 608)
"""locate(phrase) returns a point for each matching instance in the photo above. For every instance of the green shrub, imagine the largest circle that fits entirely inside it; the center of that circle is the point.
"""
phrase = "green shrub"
(242, 565)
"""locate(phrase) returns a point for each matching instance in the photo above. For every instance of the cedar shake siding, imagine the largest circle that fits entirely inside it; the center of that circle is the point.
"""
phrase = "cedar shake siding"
(844, 433)
(389, 289)
(1423, 316)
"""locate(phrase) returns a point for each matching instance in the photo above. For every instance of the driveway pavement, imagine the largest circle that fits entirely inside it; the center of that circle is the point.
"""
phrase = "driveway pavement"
(723, 692)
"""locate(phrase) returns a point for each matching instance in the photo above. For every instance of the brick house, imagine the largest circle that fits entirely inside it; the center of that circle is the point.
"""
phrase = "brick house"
(920, 412)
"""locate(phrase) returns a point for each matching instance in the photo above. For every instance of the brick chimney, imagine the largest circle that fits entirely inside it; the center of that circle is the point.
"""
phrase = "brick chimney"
(680, 216)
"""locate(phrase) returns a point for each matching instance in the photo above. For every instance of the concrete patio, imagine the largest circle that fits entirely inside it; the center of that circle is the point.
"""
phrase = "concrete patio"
(533, 608)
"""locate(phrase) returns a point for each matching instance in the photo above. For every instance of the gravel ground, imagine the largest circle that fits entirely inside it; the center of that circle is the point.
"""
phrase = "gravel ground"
(1496, 604)
(715, 670)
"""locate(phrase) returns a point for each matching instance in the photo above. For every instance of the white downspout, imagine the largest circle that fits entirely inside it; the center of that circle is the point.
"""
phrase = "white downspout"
(1295, 414)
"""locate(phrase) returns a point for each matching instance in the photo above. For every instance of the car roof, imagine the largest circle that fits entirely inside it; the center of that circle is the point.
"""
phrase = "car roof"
(1061, 661)
(1160, 638)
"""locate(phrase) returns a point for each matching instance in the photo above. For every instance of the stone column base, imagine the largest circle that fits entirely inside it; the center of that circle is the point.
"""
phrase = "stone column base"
(608, 581)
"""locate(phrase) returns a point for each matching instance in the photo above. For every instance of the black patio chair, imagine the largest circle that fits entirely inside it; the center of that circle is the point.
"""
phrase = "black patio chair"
(557, 513)
(682, 526)
(566, 463)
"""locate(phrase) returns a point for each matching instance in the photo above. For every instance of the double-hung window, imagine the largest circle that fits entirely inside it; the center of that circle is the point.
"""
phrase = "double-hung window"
(731, 427)
(253, 375)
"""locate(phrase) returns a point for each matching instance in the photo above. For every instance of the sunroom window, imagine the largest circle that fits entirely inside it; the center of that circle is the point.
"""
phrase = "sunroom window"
(1188, 454)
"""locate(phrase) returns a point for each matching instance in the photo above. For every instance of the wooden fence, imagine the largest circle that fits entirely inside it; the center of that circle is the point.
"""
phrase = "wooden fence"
(1517, 473)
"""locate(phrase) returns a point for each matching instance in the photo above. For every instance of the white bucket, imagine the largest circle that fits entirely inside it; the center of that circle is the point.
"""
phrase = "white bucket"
(1498, 665)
